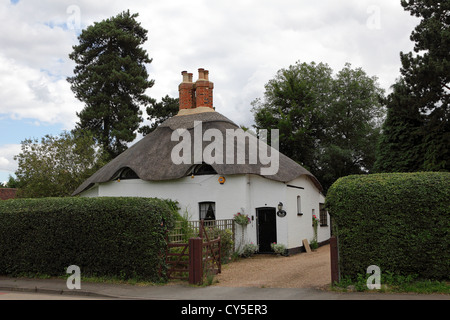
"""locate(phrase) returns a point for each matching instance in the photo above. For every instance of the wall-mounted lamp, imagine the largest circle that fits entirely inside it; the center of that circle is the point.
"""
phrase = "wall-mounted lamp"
(281, 213)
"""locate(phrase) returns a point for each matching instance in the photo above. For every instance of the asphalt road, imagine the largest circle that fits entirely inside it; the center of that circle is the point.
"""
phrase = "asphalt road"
(41, 296)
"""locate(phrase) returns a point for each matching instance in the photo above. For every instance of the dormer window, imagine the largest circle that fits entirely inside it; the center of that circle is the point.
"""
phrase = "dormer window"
(126, 174)
(201, 169)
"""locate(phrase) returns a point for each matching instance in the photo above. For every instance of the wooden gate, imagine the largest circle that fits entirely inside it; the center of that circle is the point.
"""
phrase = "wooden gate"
(177, 260)
(193, 260)
(211, 252)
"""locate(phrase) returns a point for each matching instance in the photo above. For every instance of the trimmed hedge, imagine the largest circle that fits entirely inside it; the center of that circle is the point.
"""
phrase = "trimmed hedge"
(397, 221)
(114, 237)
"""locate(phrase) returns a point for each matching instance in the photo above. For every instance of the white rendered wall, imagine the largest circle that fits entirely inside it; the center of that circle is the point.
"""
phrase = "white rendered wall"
(229, 197)
(239, 193)
(300, 226)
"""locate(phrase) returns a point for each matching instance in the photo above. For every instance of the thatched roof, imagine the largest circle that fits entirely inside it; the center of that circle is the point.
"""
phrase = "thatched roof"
(150, 158)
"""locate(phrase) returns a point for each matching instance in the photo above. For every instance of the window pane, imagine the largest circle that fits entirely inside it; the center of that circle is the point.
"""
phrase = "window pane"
(207, 210)
(323, 215)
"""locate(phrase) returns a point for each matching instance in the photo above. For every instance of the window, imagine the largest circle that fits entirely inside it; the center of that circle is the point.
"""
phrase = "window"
(207, 210)
(201, 169)
(299, 206)
(125, 173)
(323, 215)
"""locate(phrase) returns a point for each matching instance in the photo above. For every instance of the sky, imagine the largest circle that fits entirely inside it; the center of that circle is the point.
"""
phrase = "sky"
(242, 43)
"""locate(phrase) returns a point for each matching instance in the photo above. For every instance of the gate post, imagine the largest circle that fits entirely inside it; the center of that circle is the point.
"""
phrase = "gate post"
(334, 256)
(195, 261)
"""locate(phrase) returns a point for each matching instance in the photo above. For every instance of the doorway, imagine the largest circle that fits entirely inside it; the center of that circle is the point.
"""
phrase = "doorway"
(267, 228)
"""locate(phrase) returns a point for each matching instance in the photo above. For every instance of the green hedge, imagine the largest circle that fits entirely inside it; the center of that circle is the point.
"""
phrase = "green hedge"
(398, 221)
(113, 237)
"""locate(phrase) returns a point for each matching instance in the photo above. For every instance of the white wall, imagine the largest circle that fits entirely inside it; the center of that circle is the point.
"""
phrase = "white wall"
(229, 197)
(239, 193)
(300, 226)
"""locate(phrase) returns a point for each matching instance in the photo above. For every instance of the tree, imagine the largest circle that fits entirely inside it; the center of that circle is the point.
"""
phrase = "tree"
(400, 145)
(57, 165)
(327, 123)
(353, 120)
(294, 103)
(416, 134)
(111, 79)
(158, 112)
(427, 76)
(11, 183)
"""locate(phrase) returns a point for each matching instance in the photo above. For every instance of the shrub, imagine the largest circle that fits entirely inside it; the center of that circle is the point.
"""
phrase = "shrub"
(249, 249)
(397, 221)
(278, 248)
(226, 242)
(103, 236)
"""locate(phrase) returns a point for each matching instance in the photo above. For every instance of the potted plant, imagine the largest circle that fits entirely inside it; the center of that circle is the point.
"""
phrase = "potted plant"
(279, 248)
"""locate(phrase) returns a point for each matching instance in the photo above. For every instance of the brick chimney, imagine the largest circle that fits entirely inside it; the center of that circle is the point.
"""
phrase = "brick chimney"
(203, 89)
(198, 94)
(186, 91)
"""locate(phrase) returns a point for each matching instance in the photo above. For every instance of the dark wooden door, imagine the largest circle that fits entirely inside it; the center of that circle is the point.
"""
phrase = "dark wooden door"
(267, 228)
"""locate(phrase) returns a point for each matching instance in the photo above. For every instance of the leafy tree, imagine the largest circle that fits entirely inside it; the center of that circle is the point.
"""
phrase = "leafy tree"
(56, 165)
(158, 112)
(294, 103)
(327, 123)
(353, 120)
(11, 183)
(111, 79)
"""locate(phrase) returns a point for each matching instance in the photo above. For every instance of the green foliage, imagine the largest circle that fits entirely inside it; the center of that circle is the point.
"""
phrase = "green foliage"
(327, 123)
(400, 145)
(249, 249)
(158, 112)
(416, 134)
(105, 237)
(111, 79)
(278, 248)
(241, 219)
(226, 242)
(397, 221)
(56, 165)
(11, 183)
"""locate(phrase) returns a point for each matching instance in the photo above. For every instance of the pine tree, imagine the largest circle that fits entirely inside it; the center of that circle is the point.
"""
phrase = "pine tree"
(427, 76)
(158, 112)
(400, 145)
(111, 79)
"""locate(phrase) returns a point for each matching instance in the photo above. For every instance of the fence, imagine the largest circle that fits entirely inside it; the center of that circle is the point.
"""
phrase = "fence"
(192, 251)
(183, 230)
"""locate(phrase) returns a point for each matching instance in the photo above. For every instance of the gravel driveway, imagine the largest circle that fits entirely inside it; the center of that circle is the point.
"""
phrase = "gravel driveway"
(304, 270)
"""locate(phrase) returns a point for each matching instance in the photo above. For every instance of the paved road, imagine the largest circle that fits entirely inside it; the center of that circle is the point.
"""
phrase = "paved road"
(43, 296)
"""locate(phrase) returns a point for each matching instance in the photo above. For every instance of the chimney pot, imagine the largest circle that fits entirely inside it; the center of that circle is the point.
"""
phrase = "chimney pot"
(201, 73)
(185, 76)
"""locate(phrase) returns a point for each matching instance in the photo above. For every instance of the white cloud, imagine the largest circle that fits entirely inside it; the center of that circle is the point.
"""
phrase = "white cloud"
(30, 93)
(7, 153)
(243, 44)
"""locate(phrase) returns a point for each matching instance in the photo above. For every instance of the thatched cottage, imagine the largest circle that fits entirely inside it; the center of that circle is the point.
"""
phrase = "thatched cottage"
(203, 160)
